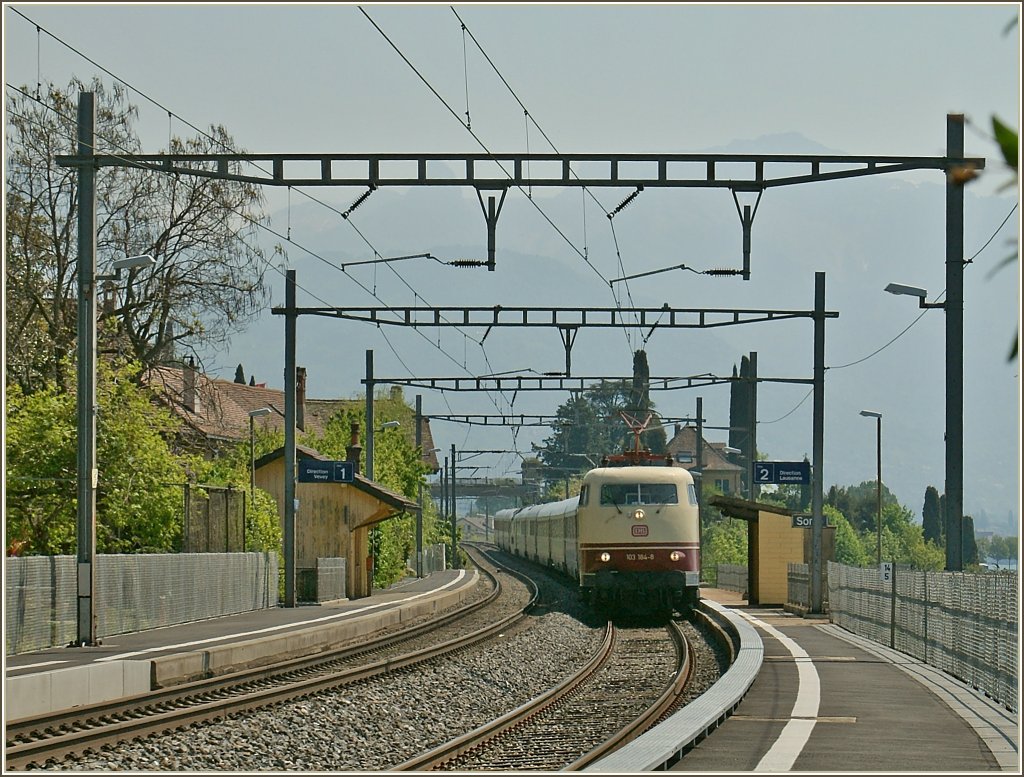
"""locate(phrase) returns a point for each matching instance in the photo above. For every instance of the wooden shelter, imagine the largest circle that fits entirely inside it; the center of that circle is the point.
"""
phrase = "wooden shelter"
(333, 520)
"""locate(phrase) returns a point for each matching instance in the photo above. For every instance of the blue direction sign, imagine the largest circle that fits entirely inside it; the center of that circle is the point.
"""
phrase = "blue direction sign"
(782, 472)
(313, 471)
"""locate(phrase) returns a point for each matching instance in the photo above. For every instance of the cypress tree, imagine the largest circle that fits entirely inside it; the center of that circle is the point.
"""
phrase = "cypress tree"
(239, 375)
(930, 516)
(970, 543)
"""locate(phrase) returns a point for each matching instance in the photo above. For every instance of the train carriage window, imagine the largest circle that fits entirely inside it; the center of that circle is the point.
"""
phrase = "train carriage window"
(584, 495)
(692, 493)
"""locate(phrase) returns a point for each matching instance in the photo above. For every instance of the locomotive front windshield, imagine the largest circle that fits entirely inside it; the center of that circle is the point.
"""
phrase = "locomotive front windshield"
(639, 494)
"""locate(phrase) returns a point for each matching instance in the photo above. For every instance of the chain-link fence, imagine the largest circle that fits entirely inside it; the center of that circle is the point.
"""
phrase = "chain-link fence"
(133, 593)
(965, 624)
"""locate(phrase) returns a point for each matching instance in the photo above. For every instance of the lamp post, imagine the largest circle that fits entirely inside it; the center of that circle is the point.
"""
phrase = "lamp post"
(253, 415)
(878, 480)
(88, 473)
(953, 519)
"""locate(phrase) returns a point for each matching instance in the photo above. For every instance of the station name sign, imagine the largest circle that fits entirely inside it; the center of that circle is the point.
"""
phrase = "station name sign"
(314, 471)
(806, 521)
(782, 472)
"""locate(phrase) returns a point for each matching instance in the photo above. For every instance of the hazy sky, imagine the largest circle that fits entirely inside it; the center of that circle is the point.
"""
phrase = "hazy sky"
(855, 79)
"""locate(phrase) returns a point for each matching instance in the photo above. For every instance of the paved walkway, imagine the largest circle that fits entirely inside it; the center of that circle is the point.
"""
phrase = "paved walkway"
(829, 701)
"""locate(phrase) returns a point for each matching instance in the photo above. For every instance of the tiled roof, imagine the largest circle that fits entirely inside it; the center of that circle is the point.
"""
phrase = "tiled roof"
(222, 409)
(685, 440)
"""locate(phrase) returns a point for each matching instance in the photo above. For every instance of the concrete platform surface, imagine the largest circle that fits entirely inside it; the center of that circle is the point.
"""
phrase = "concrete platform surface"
(128, 664)
(829, 701)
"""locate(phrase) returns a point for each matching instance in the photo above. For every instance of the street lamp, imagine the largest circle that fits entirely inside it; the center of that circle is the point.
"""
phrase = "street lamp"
(878, 482)
(389, 425)
(954, 436)
(913, 291)
(253, 415)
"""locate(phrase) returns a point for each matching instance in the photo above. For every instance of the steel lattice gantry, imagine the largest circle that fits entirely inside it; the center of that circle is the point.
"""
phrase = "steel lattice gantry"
(568, 321)
(498, 171)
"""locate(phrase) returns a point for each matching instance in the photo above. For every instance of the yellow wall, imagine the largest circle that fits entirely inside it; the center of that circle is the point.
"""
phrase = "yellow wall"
(332, 521)
(778, 545)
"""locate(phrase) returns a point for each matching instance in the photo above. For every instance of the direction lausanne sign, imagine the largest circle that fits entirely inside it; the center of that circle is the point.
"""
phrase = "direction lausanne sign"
(782, 472)
(315, 471)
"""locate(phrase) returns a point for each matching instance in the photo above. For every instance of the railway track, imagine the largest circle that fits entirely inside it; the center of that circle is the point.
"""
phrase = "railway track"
(51, 738)
(634, 678)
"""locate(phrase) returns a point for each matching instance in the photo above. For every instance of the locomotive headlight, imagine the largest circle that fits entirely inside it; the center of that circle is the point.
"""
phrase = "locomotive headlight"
(638, 514)
(605, 557)
(675, 555)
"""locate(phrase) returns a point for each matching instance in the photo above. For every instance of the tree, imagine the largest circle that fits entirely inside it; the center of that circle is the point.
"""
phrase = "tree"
(849, 548)
(931, 517)
(970, 543)
(590, 426)
(860, 503)
(138, 499)
(239, 375)
(208, 276)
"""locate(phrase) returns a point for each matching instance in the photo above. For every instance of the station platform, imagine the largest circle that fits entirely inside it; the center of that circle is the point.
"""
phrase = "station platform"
(123, 665)
(826, 700)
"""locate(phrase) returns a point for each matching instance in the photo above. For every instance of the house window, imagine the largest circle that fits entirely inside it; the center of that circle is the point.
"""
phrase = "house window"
(722, 485)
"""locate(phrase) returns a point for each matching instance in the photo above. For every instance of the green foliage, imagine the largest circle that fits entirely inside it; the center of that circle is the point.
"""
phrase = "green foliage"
(849, 548)
(860, 503)
(1001, 549)
(724, 541)
(139, 496)
(231, 468)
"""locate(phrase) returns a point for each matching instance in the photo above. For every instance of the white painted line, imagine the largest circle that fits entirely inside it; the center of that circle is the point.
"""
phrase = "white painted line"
(347, 614)
(791, 742)
(34, 666)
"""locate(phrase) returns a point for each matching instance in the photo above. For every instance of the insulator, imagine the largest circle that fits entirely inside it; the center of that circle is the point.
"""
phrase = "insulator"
(626, 201)
(358, 202)
(467, 263)
(722, 271)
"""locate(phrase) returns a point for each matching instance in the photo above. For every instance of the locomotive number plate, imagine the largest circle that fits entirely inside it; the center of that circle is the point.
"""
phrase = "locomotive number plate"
(639, 557)
(640, 530)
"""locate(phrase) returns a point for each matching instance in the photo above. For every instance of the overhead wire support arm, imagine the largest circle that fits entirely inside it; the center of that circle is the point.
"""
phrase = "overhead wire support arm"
(747, 222)
(491, 213)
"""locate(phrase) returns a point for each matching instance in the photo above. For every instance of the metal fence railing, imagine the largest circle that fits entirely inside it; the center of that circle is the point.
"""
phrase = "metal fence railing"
(133, 593)
(214, 519)
(965, 624)
(732, 577)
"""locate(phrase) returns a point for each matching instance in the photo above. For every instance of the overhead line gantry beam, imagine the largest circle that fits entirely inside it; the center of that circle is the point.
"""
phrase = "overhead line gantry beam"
(500, 171)
(565, 383)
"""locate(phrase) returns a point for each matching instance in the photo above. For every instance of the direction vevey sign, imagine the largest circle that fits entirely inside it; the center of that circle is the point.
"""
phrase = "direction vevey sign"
(782, 472)
(314, 471)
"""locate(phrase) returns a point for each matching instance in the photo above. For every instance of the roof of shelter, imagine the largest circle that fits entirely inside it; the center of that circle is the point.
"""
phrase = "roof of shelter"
(371, 487)
(737, 507)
